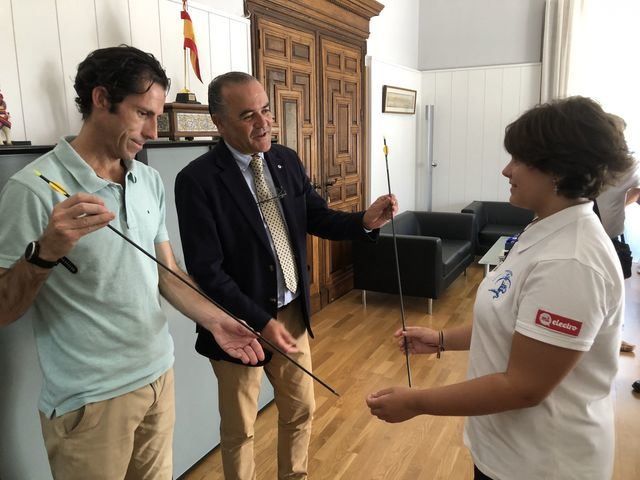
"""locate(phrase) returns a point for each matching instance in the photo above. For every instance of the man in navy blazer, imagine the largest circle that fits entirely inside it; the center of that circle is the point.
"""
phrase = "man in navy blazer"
(229, 251)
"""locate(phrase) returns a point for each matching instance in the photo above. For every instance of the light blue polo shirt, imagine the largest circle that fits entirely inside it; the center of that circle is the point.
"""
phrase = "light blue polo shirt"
(101, 332)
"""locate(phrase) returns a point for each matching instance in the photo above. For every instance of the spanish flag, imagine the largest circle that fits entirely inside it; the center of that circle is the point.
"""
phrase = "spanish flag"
(190, 40)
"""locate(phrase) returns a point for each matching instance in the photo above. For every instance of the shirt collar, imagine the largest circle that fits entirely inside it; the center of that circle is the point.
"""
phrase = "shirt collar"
(82, 172)
(131, 169)
(540, 229)
(243, 159)
(77, 167)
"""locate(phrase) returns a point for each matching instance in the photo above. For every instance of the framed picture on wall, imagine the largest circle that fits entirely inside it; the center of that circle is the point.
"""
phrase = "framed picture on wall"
(398, 100)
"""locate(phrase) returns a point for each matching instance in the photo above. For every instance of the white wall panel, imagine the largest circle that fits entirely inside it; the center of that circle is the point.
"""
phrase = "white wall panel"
(78, 37)
(40, 67)
(472, 108)
(171, 39)
(220, 48)
(44, 40)
(145, 26)
(114, 26)
(239, 45)
(475, 136)
(511, 92)
(493, 134)
(459, 134)
(530, 86)
(231, 7)
(9, 75)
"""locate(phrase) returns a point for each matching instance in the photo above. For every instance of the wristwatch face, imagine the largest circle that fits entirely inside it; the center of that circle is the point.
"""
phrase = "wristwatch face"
(31, 256)
(31, 251)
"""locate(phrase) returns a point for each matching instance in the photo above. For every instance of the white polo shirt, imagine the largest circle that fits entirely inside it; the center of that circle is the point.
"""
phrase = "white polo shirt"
(561, 284)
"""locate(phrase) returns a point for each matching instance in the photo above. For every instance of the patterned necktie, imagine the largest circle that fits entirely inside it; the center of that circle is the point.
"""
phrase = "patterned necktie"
(275, 224)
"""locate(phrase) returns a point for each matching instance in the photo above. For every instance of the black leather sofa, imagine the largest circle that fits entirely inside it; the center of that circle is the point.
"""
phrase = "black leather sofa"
(494, 220)
(434, 248)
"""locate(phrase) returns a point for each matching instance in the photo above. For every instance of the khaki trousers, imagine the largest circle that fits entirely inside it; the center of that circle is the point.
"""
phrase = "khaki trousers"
(126, 437)
(238, 390)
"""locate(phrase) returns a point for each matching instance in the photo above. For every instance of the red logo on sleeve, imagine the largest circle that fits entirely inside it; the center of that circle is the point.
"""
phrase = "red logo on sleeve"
(557, 323)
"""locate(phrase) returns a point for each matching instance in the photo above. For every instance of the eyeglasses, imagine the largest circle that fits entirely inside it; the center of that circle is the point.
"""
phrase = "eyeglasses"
(280, 193)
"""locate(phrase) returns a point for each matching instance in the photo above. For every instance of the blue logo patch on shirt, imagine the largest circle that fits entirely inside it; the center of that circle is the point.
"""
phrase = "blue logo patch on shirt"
(503, 282)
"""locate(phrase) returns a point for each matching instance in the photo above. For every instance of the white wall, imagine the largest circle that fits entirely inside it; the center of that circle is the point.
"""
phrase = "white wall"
(466, 33)
(400, 131)
(232, 7)
(46, 39)
(392, 57)
(394, 33)
(472, 105)
(472, 108)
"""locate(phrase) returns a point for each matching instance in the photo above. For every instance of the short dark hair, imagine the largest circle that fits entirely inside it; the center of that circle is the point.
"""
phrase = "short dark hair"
(575, 141)
(122, 71)
(216, 102)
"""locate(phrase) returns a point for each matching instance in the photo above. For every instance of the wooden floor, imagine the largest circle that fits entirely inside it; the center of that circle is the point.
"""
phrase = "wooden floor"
(354, 353)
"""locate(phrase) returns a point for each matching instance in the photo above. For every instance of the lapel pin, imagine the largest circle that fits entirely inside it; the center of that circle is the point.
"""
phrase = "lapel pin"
(279, 166)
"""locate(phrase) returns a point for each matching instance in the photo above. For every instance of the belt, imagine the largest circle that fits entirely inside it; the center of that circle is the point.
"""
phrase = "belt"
(292, 302)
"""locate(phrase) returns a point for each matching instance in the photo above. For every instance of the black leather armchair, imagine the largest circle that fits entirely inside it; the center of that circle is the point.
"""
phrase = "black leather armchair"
(494, 220)
(434, 248)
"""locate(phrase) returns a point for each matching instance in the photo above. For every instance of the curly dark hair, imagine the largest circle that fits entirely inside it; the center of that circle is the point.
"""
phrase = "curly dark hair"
(216, 102)
(575, 141)
(122, 71)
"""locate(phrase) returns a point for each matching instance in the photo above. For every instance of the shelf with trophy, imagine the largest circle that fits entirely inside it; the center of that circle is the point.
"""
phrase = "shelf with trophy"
(186, 117)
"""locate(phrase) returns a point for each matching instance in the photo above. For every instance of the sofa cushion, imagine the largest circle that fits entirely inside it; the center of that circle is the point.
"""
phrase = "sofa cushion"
(492, 232)
(453, 253)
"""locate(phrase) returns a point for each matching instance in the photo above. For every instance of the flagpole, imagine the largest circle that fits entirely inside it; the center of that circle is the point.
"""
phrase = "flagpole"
(184, 50)
(186, 78)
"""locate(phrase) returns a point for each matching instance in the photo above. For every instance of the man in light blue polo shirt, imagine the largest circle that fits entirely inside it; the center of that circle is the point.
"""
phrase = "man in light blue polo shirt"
(107, 402)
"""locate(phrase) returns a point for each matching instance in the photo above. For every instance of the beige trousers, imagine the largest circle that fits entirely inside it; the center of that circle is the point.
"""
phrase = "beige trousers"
(126, 437)
(238, 389)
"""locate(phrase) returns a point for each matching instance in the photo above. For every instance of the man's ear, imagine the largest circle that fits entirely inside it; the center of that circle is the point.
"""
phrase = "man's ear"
(218, 122)
(100, 98)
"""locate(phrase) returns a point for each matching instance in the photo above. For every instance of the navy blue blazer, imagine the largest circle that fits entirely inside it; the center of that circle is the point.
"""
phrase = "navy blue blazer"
(225, 243)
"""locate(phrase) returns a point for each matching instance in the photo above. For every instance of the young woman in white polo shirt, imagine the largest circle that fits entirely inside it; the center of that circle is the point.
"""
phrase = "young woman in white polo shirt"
(546, 323)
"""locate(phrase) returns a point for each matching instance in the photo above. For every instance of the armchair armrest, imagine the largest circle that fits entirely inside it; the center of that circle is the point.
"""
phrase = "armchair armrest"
(479, 210)
(479, 221)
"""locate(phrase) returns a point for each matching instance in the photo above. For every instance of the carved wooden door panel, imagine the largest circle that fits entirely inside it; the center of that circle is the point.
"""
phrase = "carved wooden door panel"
(286, 66)
(341, 159)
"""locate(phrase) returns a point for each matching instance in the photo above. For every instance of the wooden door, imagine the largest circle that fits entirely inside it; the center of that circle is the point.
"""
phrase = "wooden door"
(342, 160)
(309, 55)
(286, 66)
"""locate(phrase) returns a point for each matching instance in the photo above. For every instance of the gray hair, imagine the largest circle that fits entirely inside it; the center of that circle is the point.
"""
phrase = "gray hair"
(216, 102)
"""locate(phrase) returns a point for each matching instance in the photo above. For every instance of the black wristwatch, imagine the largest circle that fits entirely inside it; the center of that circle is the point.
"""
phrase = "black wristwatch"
(31, 256)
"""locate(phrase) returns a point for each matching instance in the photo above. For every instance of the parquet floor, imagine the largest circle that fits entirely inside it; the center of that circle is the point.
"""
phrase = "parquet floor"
(354, 353)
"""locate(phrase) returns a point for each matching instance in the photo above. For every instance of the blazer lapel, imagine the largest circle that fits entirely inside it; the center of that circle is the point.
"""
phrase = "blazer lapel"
(239, 191)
